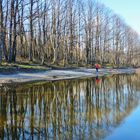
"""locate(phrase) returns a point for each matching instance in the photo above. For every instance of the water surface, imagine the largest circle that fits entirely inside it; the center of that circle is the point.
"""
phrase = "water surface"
(94, 108)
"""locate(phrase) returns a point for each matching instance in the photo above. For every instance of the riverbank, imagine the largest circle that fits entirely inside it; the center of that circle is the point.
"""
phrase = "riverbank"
(9, 69)
(53, 75)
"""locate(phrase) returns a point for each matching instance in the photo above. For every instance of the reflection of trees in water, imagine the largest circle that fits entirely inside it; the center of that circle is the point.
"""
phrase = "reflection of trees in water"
(72, 109)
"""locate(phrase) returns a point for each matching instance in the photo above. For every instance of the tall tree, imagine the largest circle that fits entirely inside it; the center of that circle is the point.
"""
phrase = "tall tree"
(11, 31)
(31, 31)
(1, 30)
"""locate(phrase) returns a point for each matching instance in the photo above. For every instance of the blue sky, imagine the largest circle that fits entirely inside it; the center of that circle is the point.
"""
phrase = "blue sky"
(127, 9)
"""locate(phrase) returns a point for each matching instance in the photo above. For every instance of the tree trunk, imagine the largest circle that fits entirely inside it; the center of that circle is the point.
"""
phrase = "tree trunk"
(31, 32)
(15, 33)
(10, 32)
(1, 30)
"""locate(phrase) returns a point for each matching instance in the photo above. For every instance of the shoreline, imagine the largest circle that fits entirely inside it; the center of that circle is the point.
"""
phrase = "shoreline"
(55, 75)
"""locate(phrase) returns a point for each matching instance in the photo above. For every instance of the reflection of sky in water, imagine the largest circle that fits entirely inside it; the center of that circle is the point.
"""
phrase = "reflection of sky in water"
(129, 130)
(72, 109)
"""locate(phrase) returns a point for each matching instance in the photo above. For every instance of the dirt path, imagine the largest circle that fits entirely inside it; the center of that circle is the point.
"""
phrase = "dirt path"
(52, 75)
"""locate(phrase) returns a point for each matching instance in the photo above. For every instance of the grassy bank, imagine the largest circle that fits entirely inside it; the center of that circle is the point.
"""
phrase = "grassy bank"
(16, 68)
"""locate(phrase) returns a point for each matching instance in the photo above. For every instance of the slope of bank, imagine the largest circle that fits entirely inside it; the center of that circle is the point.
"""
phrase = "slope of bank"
(52, 75)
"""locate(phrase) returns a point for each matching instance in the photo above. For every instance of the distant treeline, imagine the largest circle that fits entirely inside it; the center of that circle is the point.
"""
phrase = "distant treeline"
(65, 32)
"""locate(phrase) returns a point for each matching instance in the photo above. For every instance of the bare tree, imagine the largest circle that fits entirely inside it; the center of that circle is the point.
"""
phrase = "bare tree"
(11, 31)
(31, 31)
(69, 32)
(1, 30)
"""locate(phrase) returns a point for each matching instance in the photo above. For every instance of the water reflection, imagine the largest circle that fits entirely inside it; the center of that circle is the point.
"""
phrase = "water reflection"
(72, 109)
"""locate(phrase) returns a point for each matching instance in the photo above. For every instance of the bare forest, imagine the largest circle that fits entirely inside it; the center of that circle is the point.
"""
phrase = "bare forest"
(65, 32)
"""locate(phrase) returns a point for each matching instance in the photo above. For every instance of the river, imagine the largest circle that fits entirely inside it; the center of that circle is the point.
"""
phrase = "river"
(101, 108)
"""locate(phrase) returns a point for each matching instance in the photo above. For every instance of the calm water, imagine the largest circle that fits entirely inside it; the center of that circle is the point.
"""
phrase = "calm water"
(104, 108)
